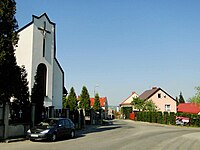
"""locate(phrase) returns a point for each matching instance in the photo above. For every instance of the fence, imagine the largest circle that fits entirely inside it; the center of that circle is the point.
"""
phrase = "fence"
(1, 114)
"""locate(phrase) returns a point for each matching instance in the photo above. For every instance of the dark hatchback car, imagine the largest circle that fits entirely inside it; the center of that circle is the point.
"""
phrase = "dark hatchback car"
(52, 129)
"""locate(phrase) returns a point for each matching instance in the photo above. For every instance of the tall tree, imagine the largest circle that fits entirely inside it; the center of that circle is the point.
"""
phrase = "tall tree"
(85, 100)
(37, 97)
(21, 101)
(97, 105)
(71, 100)
(181, 99)
(196, 97)
(138, 103)
(9, 71)
(150, 106)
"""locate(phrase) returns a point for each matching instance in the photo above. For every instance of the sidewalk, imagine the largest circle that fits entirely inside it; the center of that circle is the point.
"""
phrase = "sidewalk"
(85, 130)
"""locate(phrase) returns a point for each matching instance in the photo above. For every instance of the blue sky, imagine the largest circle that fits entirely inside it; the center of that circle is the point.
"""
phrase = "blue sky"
(124, 45)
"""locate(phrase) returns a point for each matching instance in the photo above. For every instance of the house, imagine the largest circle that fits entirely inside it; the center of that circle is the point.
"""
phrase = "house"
(162, 99)
(36, 50)
(127, 101)
(104, 105)
(191, 108)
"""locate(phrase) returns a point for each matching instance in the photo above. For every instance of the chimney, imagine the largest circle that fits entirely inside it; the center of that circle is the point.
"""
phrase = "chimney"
(154, 88)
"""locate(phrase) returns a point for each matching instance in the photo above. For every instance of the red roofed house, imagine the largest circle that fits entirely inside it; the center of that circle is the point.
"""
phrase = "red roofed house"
(191, 108)
(127, 102)
(104, 105)
(162, 99)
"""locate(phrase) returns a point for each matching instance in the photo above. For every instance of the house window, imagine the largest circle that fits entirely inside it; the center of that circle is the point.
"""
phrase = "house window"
(159, 95)
(167, 107)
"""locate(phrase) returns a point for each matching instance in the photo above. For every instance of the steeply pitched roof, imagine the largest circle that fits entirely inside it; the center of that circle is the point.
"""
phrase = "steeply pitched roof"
(102, 100)
(125, 101)
(188, 108)
(148, 93)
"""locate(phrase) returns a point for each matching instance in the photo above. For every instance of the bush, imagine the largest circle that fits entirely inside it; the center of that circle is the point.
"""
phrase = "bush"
(167, 118)
(172, 118)
(154, 117)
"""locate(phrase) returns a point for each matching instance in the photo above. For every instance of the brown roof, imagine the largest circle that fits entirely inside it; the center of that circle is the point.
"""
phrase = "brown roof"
(147, 94)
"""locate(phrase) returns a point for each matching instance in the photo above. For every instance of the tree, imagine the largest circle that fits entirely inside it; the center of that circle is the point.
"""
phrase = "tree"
(97, 105)
(138, 103)
(21, 101)
(71, 100)
(85, 100)
(65, 102)
(181, 99)
(37, 97)
(9, 71)
(196, 98)
(150, 106)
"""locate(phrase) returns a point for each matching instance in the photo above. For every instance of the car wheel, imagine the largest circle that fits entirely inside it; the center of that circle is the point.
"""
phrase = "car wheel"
(53, 137)
(72, 134)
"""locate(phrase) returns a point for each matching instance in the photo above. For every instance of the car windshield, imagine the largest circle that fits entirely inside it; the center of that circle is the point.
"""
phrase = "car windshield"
(48, 123)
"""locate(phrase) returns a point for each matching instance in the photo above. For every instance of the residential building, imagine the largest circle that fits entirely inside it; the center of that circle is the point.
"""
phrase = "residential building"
(163, 101)
(191, 108)
(104, 105)
(127, 101)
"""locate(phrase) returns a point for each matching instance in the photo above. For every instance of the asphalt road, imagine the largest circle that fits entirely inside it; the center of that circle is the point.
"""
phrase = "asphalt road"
(121, 135)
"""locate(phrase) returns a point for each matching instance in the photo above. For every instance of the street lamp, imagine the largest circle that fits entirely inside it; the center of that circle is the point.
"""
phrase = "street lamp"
(95, 89)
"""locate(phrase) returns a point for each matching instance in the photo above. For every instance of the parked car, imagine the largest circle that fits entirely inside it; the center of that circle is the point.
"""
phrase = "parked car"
(52, 129)
(182, 120)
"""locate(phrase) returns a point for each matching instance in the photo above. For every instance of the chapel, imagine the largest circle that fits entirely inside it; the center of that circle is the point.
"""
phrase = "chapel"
(36, 50)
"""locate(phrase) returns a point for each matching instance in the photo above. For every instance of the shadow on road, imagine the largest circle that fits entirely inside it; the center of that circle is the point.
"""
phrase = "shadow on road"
(98, 128)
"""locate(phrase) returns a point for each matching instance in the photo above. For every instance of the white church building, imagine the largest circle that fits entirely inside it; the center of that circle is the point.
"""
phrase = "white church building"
(36, 50)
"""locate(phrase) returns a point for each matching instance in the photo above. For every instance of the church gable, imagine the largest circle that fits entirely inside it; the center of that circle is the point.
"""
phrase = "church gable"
(44, 32)
(36, 51)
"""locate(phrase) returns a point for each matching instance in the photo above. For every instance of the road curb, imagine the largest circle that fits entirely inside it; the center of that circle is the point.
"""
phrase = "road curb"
(14, 140)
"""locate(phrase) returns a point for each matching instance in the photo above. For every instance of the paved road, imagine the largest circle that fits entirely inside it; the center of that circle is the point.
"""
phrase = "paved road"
(122, 135)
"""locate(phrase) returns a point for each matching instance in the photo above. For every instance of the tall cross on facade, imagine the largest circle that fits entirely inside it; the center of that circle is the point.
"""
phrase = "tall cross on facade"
(44, 32)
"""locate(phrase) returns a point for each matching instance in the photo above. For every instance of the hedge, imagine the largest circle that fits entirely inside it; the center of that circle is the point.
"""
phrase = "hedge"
(166, 117)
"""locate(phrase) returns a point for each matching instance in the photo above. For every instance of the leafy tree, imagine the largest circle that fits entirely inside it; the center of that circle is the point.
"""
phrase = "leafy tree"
(22, 93)
(196, 98)
(181, 99)
(64, 102)
(97, 105)
(150, 106)
(138, 103)
(9, 71)
(21, 101)
(71, 101)
(85, 100)
(37, 97)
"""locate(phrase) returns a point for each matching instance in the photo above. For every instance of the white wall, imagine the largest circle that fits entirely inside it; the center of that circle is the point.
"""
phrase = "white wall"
(58, 86)
(23, 51)
(30, 53)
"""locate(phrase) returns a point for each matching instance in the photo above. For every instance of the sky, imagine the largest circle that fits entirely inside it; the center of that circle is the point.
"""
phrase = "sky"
(115, 47)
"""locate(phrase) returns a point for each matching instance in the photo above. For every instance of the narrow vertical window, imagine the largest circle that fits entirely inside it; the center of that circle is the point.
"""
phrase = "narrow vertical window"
(167, 107)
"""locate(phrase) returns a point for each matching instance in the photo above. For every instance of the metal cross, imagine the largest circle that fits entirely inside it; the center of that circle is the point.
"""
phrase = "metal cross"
(44, 32)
